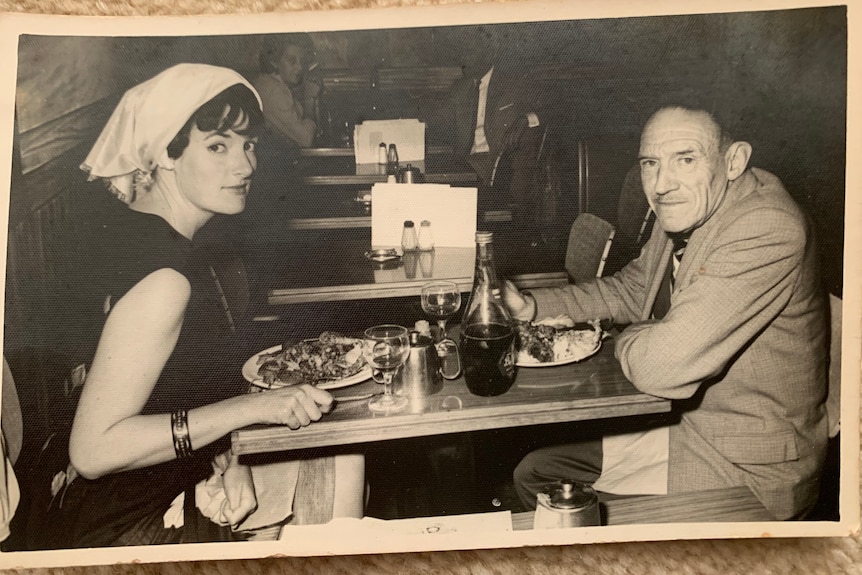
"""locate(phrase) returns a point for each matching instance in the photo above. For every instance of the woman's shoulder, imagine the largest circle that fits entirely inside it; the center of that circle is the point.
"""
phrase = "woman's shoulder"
(132, 245)
(268, 83)
(162, 294)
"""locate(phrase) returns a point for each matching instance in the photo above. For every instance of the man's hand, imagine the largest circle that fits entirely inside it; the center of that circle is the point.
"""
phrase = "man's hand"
(513, 135)
(311, 89)
(239, 489)
(522, 307)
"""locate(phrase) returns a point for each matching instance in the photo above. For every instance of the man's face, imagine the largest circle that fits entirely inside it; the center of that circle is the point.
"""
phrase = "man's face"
(683, 173)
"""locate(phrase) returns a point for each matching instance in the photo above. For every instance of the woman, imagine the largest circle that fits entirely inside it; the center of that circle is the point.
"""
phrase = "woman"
(290, 98)
(159, 396)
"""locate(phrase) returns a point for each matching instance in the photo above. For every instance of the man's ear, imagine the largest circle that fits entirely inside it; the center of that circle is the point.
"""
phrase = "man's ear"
(736, 159)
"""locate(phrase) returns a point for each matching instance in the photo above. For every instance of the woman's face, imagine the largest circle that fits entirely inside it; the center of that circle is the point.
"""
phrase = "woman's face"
(214, 171)
(290, 66)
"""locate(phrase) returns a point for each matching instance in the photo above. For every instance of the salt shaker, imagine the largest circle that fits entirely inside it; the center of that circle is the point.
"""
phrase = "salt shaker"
(408, 237)
(426, 238)
(392, 160)
(382, 156)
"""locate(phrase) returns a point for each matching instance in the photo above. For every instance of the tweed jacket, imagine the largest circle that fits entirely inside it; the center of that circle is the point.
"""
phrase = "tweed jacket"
(742, 349)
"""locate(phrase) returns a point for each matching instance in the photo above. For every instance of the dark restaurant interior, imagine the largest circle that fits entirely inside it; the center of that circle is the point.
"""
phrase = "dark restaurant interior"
(779, 78)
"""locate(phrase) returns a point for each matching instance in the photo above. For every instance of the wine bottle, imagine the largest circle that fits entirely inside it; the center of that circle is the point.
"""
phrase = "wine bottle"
(487, 335)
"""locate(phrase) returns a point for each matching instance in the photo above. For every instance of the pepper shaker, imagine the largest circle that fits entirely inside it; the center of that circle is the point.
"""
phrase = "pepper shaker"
(392, 160)
(426, 238)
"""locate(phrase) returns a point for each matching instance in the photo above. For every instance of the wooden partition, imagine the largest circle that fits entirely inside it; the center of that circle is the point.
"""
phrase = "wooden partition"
(45, 246)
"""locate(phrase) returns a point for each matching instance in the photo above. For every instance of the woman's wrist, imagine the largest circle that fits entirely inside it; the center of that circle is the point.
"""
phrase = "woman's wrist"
(210, 422)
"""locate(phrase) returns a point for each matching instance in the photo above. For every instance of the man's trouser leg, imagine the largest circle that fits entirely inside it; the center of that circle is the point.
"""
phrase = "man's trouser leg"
(580, 461)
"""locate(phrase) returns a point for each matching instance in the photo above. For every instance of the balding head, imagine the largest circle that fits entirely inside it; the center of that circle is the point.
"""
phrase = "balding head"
(686, 165)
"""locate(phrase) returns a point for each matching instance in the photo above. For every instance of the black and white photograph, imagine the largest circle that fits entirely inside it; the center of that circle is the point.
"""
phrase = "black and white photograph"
(436, 280)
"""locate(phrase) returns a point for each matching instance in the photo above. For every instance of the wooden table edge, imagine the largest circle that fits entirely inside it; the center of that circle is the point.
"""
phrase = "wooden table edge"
(287, 296)
(351, 432)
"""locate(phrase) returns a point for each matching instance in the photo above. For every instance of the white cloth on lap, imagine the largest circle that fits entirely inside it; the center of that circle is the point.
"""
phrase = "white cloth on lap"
(274, 486)
(635, 463)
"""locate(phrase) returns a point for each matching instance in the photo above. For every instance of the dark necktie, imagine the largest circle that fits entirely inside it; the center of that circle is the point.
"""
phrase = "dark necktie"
(662, 299)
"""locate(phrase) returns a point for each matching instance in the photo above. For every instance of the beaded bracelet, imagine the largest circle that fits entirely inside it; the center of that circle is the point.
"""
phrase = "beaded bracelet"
(180, 432)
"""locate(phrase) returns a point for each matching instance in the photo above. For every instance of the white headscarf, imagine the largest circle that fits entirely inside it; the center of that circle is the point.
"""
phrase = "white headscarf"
(149, 116)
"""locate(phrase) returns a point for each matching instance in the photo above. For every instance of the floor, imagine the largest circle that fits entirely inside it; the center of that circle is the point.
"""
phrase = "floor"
(439, 476)
(457, 473)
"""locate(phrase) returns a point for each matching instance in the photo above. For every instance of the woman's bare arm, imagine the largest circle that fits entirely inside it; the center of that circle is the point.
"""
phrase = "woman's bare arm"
(109, 433)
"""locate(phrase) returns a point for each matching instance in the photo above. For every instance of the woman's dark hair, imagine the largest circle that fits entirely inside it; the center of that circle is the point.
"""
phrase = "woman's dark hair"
(235, 108)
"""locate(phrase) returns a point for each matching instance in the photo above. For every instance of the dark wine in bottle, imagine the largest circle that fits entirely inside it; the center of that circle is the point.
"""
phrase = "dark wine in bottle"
(487, 350)
(488, 358)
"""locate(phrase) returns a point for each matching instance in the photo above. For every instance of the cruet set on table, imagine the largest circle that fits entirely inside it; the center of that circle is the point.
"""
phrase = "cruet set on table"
(486, 353)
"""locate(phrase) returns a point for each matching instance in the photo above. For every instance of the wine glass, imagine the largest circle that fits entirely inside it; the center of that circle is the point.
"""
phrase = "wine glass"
(385, 348)
(440, 300)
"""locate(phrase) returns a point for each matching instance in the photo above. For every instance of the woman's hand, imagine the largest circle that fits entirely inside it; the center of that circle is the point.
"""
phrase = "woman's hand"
(295, 406)
(239, 490)
(522, 307)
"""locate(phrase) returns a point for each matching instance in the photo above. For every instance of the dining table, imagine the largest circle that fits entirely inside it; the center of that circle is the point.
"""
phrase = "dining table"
(342, 272)
(592, 389)
(338, 167)
(589, 390)
(330, 190)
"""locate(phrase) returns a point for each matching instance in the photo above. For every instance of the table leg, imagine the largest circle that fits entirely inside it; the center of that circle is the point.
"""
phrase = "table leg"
(315, 491)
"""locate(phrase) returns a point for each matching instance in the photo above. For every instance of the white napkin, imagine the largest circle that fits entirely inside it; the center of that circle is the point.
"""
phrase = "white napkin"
(635, 463)
(274, 485)
(451, 212)
(407, 135)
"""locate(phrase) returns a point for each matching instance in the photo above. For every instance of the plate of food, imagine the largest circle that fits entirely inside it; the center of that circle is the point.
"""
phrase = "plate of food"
(556, 341)
(330, 361)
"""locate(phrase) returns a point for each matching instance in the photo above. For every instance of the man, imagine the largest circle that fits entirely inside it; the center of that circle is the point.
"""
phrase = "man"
(500, 131)
(737, 338)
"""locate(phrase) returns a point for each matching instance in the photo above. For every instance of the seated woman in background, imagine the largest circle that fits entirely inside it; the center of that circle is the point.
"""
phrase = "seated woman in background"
(290, 98)
(160, 391)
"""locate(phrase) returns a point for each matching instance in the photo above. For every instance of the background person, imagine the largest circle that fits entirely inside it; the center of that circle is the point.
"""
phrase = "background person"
(290, 98)
(734, 331)
(501, 128)
(160, 390)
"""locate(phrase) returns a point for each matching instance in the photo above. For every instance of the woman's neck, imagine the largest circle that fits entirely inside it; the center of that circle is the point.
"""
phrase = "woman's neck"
(165, 201)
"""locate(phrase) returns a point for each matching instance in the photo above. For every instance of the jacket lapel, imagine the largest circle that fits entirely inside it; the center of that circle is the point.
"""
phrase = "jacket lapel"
(659, 269)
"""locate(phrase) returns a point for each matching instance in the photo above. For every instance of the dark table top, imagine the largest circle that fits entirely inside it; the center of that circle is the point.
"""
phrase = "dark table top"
(335, 170)
(319, 266)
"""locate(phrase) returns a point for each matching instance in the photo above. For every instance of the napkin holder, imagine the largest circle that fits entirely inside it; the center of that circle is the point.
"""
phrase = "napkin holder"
(451, 211)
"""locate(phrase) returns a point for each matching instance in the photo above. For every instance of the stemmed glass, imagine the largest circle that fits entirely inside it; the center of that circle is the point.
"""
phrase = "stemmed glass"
(386, 348)
(440, 300)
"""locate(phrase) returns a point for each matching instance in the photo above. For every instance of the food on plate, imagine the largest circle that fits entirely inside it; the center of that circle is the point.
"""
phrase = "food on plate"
(555, 339)
(331, 356)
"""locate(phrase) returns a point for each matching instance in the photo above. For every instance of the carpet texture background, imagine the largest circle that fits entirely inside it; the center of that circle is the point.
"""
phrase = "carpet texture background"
(779, 556)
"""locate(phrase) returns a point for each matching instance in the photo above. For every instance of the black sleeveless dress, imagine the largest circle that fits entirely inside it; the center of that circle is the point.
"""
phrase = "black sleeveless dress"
(127, 508)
